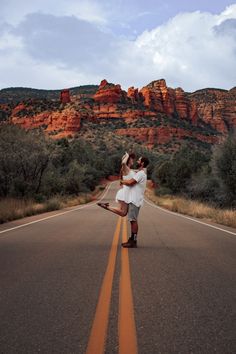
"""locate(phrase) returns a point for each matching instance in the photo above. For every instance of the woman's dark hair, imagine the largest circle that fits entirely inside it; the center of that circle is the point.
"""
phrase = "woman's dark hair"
(145, 161)
(131, 156)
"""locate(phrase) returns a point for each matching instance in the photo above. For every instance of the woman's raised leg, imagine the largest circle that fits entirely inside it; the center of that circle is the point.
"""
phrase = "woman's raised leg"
(122, 210)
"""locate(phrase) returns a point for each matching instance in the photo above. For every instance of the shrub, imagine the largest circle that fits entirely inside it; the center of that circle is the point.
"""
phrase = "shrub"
(74, 178)
(204, 186)
(53, 204)
(163, 191)
(224, 166)
(176, 173)
(24, 157)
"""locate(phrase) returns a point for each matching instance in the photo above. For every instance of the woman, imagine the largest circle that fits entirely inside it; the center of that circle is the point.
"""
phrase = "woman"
(123, 194)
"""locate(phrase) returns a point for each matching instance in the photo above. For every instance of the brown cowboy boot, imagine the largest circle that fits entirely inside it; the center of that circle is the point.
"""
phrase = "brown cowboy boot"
(129, 244)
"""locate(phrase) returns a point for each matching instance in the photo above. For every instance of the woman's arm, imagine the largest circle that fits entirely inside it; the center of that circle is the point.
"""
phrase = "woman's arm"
(124, 168)
(124, 159)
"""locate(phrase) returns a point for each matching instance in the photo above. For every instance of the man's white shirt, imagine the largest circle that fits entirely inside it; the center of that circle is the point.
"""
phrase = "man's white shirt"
(137, 191)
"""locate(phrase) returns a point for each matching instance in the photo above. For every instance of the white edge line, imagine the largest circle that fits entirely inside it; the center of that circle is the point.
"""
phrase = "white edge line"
(59, 214)
(186, 217)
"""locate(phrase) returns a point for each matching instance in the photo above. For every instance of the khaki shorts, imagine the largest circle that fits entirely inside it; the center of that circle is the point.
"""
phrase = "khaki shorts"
(133, 212)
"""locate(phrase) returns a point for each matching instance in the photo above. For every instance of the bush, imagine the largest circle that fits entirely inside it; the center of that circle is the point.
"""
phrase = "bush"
(163, 191)
(224, 167)
(176, 173)
(32, 165)
(53, 204)
(24, 157)
(216, 182)
(204, 187)
(74, 178)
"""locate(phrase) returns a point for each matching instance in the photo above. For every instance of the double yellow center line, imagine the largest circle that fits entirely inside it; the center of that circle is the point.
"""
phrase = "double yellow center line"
(126, 325)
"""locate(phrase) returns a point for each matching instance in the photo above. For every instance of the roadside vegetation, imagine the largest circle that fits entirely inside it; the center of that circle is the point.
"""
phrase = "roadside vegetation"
(15, 208)
(200, 185)
(193, 208)
(39, 174)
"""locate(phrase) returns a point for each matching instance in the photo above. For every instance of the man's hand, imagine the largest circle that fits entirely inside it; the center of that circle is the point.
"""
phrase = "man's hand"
(130, 182)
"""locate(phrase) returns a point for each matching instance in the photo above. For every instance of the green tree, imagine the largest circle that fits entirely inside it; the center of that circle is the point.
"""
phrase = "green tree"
(24, 157)
(176, 173)
(224, 166)
(74, 179)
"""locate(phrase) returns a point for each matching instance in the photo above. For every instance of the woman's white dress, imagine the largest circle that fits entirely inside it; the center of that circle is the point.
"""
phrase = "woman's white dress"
(123, 193)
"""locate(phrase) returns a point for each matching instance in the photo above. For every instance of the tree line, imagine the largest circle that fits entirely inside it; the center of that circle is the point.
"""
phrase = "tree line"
(33, 165)
(207, 177)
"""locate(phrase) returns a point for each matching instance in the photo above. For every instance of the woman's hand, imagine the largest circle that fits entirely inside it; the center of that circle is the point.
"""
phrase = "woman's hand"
(125, 155)
(125, 158)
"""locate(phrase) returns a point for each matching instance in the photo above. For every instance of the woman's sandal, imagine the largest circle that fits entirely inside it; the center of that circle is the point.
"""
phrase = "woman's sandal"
(103, 205)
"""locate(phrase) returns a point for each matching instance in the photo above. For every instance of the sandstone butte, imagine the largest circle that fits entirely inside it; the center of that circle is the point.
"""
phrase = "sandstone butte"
(214, 107)
(65, 96)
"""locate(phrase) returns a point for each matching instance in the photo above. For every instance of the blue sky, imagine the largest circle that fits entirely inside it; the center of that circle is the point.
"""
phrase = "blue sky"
(63, 43)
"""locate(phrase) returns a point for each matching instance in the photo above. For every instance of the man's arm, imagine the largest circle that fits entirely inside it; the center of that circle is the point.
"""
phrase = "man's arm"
(128, 182)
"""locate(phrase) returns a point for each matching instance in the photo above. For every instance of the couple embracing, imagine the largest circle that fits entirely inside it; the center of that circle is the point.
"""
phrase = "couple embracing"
(130, 196)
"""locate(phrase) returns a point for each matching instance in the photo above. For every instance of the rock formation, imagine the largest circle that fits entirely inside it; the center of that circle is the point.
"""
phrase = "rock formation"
(109, 93)
(164, 135)
(58, 124)
(216, 107)
(65, 96)
(155, 114)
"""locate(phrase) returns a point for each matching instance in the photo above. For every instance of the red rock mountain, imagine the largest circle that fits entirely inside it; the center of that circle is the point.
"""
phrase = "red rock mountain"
(155, 114)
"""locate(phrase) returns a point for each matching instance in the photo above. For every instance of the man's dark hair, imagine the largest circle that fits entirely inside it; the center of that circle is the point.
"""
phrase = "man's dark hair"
(145, 161)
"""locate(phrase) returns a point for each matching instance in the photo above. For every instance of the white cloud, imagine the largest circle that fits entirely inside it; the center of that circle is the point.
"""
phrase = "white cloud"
(75, 42)
(87, 10)
(90, 10)
(192, 50)
(25, 72)
(229, 12)
(187, 51)
(10, 42)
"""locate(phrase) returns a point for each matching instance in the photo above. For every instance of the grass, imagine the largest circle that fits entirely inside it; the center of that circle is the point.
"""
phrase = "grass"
(12, 208)
(194, 208)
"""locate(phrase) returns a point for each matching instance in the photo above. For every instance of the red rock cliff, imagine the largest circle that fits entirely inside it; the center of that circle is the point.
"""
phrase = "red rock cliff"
(58, 124)
(110, 93)
(216, 107)
(160, 98)
(213, 107)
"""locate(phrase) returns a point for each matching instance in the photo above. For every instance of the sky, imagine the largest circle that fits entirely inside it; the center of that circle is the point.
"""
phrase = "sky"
(55, 44)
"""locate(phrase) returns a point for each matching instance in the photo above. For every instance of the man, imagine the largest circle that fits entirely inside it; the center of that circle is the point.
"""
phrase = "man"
(138, 185)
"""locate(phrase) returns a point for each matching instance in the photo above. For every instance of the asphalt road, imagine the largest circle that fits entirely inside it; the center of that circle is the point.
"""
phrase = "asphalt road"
(66, 285)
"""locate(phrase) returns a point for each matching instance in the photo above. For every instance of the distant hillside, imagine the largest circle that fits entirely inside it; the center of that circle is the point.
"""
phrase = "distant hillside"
(158, 117)
(18, 94)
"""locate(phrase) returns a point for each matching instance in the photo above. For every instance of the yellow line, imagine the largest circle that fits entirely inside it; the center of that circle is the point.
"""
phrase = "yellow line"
(97, 339)
(127, 329)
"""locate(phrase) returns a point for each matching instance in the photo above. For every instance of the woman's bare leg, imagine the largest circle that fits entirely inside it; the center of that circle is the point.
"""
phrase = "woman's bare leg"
(122, 210)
